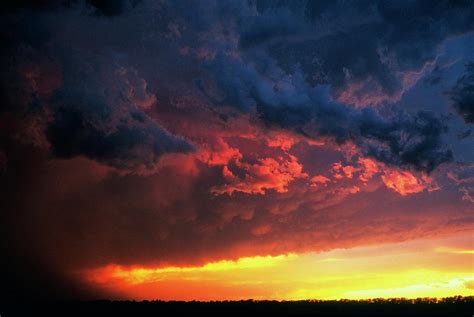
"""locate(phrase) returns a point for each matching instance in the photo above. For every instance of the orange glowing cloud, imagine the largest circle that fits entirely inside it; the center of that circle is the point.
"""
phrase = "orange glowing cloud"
(369, 169)
(267, 173)
(405, 182)
(285, 140)
(219, 154)
(282, 140)
(319, 180)
(400, 181)
(366, 168)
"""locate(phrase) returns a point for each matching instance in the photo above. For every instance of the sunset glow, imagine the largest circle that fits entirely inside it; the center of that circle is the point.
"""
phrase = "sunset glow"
(221, 150)
(394, 270)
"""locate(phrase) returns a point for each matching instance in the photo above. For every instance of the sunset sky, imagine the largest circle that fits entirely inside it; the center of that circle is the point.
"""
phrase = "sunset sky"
(226, 150)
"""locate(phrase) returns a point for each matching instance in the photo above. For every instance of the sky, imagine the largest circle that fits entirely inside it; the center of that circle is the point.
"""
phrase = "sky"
(226, 150)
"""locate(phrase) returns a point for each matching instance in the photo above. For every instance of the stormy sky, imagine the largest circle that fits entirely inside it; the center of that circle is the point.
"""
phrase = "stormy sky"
(185, 132)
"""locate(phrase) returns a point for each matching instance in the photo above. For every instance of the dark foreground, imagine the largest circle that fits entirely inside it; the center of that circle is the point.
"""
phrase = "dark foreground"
(449, 307)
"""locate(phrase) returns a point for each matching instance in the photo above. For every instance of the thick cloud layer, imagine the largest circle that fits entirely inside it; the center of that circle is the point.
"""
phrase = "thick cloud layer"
(374, 47)
(177, 132)
(410, 140)
(100, 7)
(87, 105)
(246, 72)
(101, 118)
(463, 95)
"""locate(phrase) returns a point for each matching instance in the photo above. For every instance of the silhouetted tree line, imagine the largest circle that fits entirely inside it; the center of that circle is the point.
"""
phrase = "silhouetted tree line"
(449, 307)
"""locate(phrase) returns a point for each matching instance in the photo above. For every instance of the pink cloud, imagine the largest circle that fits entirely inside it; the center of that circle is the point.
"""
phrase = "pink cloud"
(369, 169)
(267, 173)
(220, 153)
(366, 168)
(261, 229)
(405, 182)
(286, 140)
(467, 194)
(319, 180)
(400, 181)
(364, 93)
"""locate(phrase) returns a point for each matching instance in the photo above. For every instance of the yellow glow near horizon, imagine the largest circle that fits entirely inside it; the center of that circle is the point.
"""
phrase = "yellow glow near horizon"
(453, 250)
(141, 275)
(411, 269)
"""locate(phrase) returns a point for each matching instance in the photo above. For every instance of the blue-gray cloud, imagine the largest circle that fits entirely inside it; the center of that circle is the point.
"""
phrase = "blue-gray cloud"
(462, 95)
(288, 101)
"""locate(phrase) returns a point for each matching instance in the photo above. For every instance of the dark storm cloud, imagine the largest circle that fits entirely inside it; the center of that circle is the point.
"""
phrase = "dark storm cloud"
(96, 83)
(349, 41)
(88, 104)
(97, 116)
(465, 134)
(112, 7)
(289, 46)
(462, 95)
(286, 100)
(284, 49)
(128, 145)
(100, 7)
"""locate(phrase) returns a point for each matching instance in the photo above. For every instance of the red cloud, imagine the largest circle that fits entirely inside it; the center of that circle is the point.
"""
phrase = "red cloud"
(267, 173)
(219, 154)
(319, 180)
(369, 169)
(405, 182)
(400, 181)
(261, 229)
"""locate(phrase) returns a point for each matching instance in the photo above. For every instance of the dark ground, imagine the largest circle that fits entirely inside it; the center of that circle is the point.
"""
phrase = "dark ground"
(449, 307)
